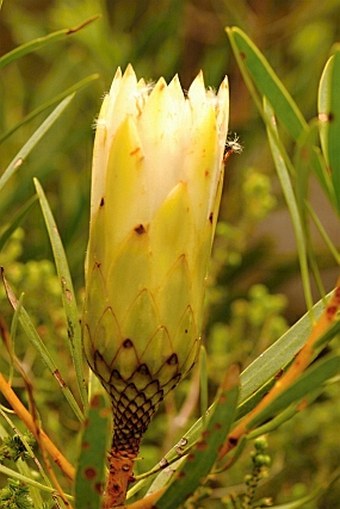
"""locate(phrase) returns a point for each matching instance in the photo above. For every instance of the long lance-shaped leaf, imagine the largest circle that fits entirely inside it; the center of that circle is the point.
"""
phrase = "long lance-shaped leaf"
(329, 117)
(203, 455)
(90, 475)
(49, 104)
(308, 155)
(68, 295)
(20, 157)
(40, 42)
(279, 157)
(309, 381)
(39, 345)
(27, 479)
(261, 80)
(268, 84)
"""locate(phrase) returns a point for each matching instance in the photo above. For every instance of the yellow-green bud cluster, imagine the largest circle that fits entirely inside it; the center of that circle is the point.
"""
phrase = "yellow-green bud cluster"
(156, 184)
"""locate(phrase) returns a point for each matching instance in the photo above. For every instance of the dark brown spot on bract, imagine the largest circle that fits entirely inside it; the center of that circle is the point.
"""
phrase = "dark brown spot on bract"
(330, 117)
(102, 201)
(90, 473)
(211, 217)
(127, 343)
(172, 360)
(135, 151)
(140, 229)
(143, 369)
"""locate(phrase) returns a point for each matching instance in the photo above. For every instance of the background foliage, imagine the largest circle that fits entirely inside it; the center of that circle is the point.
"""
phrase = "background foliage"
(255, 290)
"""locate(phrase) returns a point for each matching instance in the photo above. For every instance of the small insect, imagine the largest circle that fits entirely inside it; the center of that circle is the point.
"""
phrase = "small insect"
(232, 146)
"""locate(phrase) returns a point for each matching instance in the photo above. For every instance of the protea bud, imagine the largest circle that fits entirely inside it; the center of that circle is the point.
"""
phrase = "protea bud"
(156, 185)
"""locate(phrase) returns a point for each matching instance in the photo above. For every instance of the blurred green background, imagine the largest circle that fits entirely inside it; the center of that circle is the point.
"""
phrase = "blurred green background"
(255, 289)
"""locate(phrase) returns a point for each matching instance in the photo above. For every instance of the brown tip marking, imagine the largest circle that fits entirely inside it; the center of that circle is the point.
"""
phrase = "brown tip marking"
(143, 369)
(135, 151)
(172, 360)
(127, 343)
(140, 229)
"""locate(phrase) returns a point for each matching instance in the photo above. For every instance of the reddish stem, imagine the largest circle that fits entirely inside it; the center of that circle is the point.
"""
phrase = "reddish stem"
(120, 475)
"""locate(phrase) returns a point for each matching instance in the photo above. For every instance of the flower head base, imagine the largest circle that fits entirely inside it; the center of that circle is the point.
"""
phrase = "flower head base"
(156, 185)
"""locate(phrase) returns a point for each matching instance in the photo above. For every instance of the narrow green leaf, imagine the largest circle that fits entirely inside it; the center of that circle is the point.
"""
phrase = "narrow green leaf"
(68, 295)
(203, 382)
(20, 157)
(307, 157)
(280, 157)
(16, 220)
(329, 117)
(75, 88)
(280, 353)
(331, 247)
(254, 64)
(40, 42)
(204, 454)
(90, 475)
(28, 480)
(309, 381)
(36, 341)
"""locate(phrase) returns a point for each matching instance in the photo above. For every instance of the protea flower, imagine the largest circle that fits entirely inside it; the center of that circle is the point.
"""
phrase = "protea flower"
(156, 185)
